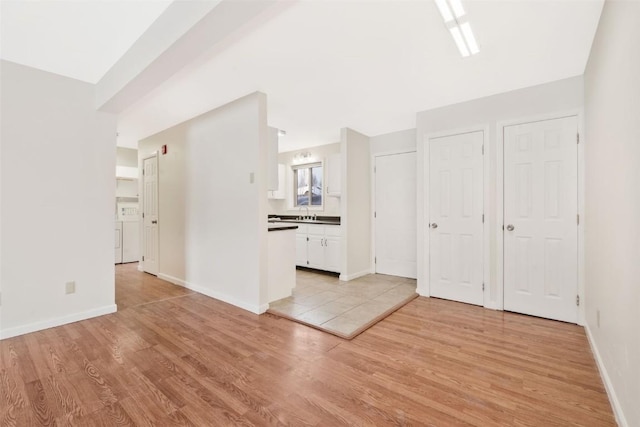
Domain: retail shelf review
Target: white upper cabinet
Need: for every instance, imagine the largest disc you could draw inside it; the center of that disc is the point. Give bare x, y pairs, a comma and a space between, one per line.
334, 174
272, 160
280, 192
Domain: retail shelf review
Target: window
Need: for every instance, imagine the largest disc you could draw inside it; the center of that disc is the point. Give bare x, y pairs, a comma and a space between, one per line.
307, 180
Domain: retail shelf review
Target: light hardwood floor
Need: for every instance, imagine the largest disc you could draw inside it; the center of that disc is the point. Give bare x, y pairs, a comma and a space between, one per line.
180, 358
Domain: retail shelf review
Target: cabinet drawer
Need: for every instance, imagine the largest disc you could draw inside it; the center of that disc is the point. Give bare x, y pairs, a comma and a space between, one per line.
315, 229
332, 230
302, 229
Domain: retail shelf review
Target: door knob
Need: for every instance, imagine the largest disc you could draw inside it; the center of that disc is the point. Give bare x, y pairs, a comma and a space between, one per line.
434, 225
154, 222
510, 227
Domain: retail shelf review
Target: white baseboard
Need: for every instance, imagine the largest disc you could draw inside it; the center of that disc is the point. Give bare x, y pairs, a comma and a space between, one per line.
608, 385
140, 268
422, 292
172, 279
346, 278
57, 321
256, 309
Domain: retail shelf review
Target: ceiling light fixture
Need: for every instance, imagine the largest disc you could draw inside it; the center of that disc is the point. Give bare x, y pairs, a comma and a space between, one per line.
457, 37
454, 17
458, 10
445, 11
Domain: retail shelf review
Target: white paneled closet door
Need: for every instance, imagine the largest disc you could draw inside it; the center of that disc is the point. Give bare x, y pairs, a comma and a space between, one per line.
150, 212
456, 205
395, 215
540, 219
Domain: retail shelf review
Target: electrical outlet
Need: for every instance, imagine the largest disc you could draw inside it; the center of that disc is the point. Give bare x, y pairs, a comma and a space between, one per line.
598, 318
70, 288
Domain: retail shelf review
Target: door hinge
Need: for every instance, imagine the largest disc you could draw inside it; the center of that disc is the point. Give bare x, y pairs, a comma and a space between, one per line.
307, 262
375, 214
375, 260
578, 300
307, 239
578, 219
143, 257
143, 215
483, 218
483, 149
483, 286
577, 138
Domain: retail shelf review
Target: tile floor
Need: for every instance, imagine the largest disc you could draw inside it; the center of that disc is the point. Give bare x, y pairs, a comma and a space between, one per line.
344, 308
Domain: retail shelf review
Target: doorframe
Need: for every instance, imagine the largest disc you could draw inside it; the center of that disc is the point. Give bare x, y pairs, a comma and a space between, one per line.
500, 125
424, 272
142, 238
374, 156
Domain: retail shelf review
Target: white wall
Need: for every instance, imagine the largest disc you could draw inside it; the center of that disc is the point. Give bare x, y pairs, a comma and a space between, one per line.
212, 219
285, 207
404, 140
58, 163
127, 187
126, 157
356, 204
612, 156
559, 96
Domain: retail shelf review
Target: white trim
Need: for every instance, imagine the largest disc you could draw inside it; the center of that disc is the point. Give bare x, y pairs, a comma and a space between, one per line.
253, 308
57, 321
424, 285
500, 125
374, 156
608, 385
140, 266
346, 278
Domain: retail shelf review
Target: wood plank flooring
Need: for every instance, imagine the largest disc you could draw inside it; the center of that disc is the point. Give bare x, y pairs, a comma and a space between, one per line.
173, 357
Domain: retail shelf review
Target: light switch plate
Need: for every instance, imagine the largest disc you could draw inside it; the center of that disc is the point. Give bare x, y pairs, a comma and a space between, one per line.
70, 288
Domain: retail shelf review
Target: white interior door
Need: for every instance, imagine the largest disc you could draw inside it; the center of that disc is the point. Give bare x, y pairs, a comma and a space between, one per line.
456, 205
540, 218
395, 214
150, 215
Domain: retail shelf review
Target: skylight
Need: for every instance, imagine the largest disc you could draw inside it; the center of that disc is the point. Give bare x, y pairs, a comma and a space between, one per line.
455, 19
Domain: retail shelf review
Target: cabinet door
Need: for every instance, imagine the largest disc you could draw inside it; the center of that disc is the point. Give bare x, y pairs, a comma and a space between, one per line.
301, 249
334, 173
332, 252
315, 251
272, 160
282, 183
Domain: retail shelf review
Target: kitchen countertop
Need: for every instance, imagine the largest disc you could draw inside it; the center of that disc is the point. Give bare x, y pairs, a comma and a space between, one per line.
327, 220
280, 227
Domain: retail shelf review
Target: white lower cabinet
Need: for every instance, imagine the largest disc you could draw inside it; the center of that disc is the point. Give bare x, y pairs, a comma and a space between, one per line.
301, 247
318, 246
333, 248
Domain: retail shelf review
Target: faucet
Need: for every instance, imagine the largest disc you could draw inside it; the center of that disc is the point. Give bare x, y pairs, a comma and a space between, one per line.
307, 208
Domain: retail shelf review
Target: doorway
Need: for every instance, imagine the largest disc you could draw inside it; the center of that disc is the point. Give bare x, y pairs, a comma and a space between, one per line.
456, 217
395, 214
540, 237
150, 215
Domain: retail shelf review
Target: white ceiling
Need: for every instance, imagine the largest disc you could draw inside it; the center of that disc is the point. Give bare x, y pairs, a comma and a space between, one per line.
368, 65
75, 38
